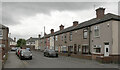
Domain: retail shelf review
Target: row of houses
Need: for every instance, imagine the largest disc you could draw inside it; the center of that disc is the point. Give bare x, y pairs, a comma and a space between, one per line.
99, 36
4, 43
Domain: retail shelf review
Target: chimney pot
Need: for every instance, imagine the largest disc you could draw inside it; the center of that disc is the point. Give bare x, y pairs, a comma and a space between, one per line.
100, 12
39, 36
61, 27
75, 23
52, 31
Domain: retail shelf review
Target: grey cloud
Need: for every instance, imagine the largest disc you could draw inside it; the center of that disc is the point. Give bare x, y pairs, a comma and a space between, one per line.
119, 7
11, 11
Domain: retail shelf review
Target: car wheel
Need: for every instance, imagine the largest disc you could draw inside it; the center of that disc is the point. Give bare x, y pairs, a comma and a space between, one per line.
48, 55
44, 54
56, 55
30, 58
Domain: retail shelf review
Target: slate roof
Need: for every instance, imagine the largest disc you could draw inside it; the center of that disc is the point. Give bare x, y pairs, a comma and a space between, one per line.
11, 40
32, 39
90, 22
2, 26
46, 36
94, 21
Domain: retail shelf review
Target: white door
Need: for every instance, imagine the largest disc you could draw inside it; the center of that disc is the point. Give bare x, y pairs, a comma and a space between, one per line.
106, 50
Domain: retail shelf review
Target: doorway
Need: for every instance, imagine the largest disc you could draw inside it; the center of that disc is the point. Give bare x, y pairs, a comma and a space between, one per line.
106, 49
75, 49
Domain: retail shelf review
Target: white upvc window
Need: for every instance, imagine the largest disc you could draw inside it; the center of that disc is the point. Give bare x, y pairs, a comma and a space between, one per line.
70, 36
97, 48
96, 31
62, 37
85, 33
56, 38
1, 33
65, 37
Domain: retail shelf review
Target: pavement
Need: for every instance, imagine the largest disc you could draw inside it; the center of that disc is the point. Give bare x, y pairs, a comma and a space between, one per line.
39, 61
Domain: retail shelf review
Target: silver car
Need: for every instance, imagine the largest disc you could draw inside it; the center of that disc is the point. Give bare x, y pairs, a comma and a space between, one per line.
24, 53
50, 52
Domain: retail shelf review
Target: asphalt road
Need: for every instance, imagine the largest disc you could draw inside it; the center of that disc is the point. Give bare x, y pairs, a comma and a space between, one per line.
39, 61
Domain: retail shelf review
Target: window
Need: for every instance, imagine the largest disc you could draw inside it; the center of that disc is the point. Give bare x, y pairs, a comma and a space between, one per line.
96, 30
41, 41
1, 34
62, 37
70, 36
65, 37
56, 48
98, 50
85, 34
64, 48
48, 39
56, 38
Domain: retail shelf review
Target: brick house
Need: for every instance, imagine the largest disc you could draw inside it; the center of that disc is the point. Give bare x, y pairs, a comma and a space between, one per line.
99, 36
4, 42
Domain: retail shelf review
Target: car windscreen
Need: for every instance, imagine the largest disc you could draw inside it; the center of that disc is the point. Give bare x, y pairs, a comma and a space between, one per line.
51, 50
25, 51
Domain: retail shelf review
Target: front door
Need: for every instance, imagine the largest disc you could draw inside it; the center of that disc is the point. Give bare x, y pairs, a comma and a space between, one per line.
106, 49
75, 49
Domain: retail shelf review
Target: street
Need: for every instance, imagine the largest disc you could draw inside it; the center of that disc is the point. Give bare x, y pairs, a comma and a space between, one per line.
39, 61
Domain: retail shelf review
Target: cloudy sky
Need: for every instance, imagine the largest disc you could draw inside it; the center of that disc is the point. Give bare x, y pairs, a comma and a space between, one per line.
27, 19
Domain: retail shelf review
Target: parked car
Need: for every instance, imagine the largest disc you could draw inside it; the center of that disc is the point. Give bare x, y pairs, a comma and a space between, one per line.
13, 49
50, 52
24, 53
28, 49
18, 49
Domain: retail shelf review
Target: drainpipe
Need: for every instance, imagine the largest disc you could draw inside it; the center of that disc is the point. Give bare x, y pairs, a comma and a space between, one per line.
54, 42
89, 38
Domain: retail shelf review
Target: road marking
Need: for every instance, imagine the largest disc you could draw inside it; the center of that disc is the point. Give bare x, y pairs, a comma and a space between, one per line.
25, 62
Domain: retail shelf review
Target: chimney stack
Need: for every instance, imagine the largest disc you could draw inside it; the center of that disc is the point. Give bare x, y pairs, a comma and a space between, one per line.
52, 31
100, 12
61, 27
75, 23
39, 36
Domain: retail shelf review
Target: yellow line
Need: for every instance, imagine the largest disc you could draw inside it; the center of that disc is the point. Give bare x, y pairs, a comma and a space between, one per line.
25, 62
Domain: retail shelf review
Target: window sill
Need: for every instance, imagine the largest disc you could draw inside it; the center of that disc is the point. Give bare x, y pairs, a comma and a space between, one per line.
96, 53
97, 36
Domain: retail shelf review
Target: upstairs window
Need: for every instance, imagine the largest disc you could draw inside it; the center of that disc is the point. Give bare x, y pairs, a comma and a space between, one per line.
70, 36
1, 32
85, 33
65, 37
62, 37
48, 39
56, 38
96, 31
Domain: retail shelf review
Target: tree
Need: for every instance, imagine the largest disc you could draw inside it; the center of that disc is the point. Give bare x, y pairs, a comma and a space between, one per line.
21, 42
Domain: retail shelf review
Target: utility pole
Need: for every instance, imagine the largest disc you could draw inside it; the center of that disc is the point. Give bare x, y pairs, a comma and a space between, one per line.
44, 37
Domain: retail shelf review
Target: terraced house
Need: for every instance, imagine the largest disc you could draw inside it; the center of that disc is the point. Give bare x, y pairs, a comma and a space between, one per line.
4, 41
98, 36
